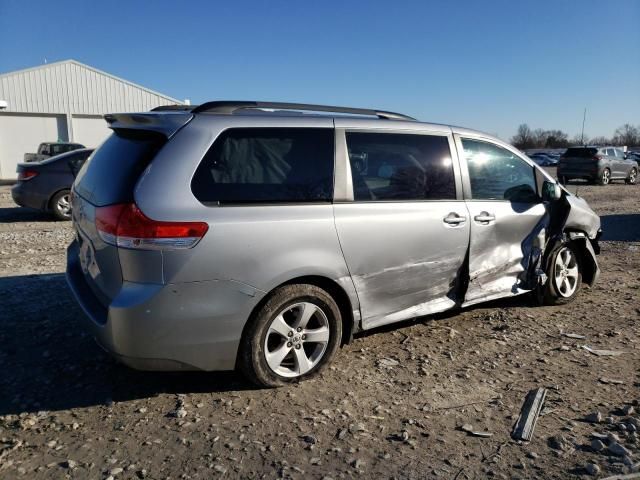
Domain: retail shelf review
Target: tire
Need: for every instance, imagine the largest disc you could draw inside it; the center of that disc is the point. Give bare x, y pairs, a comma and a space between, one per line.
555, 291
60, 205
272, 348
633, 176
605, 177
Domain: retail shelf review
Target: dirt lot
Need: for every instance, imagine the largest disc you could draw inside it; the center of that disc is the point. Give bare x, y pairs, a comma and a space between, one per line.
68, 410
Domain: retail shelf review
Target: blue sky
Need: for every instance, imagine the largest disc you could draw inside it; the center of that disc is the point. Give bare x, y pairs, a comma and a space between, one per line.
489, 65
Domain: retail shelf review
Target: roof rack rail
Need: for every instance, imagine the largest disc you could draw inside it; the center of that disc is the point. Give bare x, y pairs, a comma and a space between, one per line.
230, 107
169, 108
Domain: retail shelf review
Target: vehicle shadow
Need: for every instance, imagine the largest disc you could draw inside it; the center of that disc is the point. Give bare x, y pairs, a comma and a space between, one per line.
621, 227
48, 362
22, 214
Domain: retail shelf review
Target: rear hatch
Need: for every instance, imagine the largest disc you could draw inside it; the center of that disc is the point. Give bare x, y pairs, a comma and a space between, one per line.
108, 178
579, 158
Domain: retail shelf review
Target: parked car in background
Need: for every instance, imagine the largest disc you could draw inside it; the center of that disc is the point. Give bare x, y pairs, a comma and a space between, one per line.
596, 164
635, 156
542, 159
51, 149
46, 185
250, 235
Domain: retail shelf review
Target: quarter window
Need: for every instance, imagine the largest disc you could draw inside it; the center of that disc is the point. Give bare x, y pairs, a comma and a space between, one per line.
397, 166
269, 165
497, 174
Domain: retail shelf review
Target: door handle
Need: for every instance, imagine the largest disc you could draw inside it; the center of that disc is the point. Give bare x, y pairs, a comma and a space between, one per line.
484, 217
454, 219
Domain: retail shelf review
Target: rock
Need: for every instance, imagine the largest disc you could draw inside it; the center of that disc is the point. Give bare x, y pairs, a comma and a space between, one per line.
141, 473
69, 464
387, 363
628, 410
357, 463
220, 468
595, 417
592, 469
597, 445
310, 439
142, 410
559, 442
532, 455
115, 471
613, 438
179, 413
618, 450
341, 433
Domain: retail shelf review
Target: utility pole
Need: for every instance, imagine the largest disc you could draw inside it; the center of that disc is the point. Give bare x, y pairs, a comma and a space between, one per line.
583, 119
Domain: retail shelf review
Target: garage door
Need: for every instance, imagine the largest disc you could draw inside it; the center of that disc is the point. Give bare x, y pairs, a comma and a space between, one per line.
20, 134
90, 131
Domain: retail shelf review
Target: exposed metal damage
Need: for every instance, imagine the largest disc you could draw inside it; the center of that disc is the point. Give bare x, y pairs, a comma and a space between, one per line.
512, 268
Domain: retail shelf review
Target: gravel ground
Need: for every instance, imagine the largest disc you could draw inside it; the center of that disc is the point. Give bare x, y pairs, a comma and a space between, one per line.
391, 405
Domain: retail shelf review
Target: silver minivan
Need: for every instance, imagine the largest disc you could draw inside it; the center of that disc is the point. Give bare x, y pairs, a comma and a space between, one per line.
263, 236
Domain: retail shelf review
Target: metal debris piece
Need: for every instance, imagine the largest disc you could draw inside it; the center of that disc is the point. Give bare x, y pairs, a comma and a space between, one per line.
469, 429
628, 476
610, 380
603, 353
526, 423
573, 335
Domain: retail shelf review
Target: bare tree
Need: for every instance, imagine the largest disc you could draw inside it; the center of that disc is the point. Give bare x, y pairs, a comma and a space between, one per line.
523, 139
626, 135
600, 141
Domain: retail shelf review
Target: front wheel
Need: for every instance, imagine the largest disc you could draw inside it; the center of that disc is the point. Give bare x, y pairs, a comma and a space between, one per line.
633, 177
292, 337
605, 177
61, 205
564, 276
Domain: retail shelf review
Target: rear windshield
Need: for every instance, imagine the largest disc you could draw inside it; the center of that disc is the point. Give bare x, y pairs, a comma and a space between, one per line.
112, 172
580, 152
267, 165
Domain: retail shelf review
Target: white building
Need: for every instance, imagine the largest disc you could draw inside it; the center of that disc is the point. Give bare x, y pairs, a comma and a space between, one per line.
62, 101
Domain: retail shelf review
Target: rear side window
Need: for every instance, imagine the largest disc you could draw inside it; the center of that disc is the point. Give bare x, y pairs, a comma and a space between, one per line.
580, 152
267, 165
398, 166
111, 174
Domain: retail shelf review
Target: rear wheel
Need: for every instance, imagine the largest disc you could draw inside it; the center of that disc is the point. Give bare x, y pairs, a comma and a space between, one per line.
564, 276
605, 177
61, 205
633, 177
293, 336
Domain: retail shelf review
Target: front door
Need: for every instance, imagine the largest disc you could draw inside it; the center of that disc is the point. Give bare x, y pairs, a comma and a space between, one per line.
403, 228
506, 216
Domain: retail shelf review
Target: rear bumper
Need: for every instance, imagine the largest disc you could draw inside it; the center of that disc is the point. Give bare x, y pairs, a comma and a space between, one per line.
586, 173
24, 196
186, 326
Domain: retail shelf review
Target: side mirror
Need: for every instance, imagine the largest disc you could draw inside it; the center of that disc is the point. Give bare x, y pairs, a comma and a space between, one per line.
551, 191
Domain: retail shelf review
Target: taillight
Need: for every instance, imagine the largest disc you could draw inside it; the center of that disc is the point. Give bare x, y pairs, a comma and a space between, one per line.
126, 226
597, 157
26, 175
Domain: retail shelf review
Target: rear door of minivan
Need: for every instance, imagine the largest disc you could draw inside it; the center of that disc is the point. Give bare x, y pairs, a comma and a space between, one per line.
401, 220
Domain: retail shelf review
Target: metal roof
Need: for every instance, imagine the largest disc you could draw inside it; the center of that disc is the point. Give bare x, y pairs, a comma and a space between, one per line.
73, 87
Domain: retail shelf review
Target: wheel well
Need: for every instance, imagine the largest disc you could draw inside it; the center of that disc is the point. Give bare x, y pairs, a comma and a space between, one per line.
50, 201
333, 289
584, 257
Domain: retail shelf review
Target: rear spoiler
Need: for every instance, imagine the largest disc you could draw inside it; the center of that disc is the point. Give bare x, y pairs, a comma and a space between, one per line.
166, 123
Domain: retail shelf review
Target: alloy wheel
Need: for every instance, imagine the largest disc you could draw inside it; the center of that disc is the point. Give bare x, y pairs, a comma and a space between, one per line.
63, 205
297, 339
606, 177
566, 272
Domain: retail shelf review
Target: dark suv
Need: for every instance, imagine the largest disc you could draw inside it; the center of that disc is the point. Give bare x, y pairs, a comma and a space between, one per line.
596, 164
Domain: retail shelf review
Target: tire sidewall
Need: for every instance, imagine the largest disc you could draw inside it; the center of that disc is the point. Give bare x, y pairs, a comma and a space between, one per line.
635, 179
252, 360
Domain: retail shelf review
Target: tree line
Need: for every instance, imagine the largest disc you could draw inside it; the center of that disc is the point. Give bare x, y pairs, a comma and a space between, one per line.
525, 138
